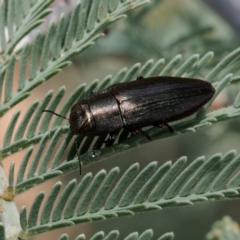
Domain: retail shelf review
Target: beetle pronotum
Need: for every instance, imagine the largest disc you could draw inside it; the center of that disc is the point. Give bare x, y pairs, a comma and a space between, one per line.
133, 105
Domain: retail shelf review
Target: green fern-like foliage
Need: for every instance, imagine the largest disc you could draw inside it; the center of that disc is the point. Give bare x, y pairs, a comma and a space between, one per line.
153, 188
106, 194
114, 235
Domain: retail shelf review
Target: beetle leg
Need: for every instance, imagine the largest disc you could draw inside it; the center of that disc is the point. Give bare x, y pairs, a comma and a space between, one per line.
112, 136
96, 146
169, 128
80, 164
146, 135
139, 77
111, 139
109, 142
140, 131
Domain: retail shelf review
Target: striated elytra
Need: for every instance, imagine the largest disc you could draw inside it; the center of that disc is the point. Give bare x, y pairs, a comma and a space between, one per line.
153, 101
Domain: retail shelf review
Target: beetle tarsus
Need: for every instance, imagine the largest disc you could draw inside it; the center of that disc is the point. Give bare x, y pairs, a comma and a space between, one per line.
93, 153
140, 131
169, 128
96, 146
146, 135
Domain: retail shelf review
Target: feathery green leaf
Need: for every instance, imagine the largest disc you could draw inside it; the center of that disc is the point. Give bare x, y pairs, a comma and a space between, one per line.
136, 191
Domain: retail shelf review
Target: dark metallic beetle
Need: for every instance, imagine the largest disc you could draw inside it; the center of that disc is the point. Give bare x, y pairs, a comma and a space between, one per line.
133, 105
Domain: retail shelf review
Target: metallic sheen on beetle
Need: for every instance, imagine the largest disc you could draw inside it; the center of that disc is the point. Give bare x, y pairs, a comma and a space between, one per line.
137, 104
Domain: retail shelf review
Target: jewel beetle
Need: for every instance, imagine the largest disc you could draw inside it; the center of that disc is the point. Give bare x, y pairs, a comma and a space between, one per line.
153, 101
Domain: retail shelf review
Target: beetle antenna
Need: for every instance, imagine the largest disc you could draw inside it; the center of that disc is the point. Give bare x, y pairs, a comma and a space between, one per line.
55, 114
80, 165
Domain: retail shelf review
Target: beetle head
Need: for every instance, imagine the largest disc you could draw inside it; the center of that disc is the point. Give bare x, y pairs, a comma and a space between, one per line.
81, 119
